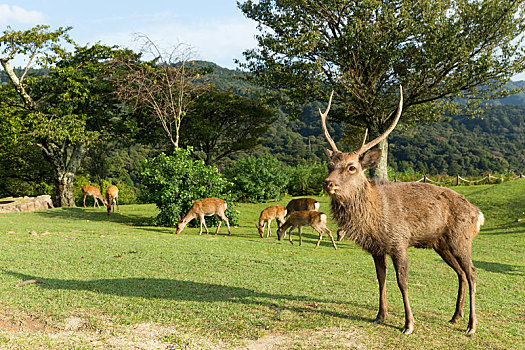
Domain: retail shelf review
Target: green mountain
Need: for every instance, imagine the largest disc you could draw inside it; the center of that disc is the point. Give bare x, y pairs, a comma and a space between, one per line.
493, 143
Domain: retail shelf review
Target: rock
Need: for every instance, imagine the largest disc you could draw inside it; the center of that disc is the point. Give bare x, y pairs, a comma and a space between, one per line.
25, 204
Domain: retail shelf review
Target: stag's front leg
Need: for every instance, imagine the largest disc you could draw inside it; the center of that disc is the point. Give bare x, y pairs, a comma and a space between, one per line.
400, 260
380, 263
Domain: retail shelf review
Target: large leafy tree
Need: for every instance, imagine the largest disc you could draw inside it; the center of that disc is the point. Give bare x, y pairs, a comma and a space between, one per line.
439, 51
221, 123
63, 111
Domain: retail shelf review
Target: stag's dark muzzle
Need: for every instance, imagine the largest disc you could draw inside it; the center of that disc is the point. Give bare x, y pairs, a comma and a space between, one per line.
328, 186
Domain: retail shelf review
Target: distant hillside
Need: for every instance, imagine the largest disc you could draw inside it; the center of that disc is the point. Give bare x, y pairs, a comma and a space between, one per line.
494, 143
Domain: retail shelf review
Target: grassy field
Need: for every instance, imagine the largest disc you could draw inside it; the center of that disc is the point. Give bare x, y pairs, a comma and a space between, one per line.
113, 283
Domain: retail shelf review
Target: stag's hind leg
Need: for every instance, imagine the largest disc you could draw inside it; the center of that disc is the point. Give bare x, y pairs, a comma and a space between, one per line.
462, 253
447, 256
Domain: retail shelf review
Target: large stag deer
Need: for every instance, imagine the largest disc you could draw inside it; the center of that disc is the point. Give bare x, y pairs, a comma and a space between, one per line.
202, 208
385, 218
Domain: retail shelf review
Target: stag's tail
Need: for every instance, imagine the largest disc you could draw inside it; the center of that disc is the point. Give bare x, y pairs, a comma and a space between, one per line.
481, 220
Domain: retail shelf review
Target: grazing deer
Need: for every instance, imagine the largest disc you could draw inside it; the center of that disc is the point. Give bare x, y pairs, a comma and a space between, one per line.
88, 190
385, 218
277, 212
315, 219
202, 208
112, 198
302, 204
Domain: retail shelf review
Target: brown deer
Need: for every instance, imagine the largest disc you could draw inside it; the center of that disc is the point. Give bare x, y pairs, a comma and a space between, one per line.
301, 204
298, 219
277, 212
112, 198
88, 190
202, 208
385, 218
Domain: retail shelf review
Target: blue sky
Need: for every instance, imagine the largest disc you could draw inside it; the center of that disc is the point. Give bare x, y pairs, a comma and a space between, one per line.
216, 30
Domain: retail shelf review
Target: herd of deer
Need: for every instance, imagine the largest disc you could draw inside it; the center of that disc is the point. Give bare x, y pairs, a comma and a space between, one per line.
109, 202
384, 218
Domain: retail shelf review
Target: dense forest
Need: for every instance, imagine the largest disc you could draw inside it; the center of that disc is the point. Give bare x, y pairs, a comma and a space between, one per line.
492, 142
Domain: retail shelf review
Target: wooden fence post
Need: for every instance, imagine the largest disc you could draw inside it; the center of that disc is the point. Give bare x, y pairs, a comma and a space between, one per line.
425, 179
457, 180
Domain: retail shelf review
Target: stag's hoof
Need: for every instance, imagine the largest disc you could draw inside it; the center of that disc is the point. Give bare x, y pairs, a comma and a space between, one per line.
407, 330
377, 320
470, 331
454, 320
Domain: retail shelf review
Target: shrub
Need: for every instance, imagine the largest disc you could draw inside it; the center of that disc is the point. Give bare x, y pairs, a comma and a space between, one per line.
174, 182
258, 179
306, 179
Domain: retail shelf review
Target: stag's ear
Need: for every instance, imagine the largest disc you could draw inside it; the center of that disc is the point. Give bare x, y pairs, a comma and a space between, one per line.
328, 152
370, 159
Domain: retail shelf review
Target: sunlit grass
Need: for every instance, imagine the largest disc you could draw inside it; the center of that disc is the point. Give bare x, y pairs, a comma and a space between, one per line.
113, 271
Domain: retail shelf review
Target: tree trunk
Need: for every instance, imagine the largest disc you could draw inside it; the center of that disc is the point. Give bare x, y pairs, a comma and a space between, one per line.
65, 196
65, 160
381, 170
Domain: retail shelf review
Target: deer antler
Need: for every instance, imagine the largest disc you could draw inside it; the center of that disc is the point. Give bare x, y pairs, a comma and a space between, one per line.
323, 123
365, 147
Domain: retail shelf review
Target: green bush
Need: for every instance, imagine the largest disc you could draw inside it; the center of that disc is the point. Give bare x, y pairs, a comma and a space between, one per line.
259, 179
306, 179
175, 182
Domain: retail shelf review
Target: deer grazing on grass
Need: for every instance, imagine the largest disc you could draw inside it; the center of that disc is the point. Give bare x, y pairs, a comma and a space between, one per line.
112, 198
385, 218
88, 190
277, 212
202, 208
298, 219
301, 204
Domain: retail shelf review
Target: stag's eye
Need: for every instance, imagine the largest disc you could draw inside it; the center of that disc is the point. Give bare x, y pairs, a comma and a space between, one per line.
351, 168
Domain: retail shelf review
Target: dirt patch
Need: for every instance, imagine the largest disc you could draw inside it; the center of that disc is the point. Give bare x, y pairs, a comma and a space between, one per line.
15, 321
19, 330
331, 338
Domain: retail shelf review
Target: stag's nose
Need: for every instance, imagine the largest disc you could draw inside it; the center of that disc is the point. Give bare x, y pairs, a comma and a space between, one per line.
328, 185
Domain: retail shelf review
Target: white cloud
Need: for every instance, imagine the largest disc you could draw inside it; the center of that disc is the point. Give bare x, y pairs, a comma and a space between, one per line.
11, 14
219, 41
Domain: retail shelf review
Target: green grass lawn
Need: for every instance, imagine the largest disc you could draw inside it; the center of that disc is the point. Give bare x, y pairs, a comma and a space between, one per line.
112, 282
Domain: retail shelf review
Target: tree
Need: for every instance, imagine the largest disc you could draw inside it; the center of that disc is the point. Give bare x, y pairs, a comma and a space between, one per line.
221, 123
63, 111
438, 51
163, 86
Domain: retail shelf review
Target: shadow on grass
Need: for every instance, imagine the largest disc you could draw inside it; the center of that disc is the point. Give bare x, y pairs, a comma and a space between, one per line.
83, 214
504, 229
506, 269
154, 288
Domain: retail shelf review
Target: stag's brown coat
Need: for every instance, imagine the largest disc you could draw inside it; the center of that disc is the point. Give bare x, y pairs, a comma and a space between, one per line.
386, 218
